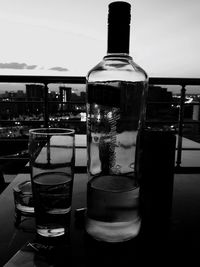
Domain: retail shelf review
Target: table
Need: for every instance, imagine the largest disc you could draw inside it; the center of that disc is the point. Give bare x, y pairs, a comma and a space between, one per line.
12, 239
179, 243
162, 239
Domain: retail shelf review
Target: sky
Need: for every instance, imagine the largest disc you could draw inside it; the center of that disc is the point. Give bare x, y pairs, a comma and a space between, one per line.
69, 37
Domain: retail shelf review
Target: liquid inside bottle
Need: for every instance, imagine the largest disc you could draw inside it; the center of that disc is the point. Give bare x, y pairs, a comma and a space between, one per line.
112, 213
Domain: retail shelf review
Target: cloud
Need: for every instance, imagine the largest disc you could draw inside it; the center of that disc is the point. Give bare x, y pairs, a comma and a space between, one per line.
16, 65
24, 66
58, 69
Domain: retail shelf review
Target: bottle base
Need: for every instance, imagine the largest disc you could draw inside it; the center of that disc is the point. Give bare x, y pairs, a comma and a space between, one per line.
113, 231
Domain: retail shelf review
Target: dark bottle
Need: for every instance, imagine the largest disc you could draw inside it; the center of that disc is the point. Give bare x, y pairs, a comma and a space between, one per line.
116, 92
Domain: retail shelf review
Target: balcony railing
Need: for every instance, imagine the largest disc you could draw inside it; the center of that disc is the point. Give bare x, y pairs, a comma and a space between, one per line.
183, 83
45, 121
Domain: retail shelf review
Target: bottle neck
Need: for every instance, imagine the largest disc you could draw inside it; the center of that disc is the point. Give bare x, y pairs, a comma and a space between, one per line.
118, 55
118, 38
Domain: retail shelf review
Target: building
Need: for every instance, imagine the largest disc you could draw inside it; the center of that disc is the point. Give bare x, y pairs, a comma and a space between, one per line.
35, 93
10, 110
65, 96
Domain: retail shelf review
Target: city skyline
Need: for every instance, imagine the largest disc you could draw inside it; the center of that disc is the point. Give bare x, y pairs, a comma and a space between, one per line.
63, 38
78, 88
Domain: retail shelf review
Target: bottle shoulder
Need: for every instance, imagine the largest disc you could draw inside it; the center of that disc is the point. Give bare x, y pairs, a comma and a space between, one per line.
117, 68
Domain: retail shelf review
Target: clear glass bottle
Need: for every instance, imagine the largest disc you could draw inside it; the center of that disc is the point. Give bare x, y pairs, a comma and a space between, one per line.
116, 93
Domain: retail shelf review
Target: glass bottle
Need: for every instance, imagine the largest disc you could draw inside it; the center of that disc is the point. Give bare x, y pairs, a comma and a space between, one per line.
116, 93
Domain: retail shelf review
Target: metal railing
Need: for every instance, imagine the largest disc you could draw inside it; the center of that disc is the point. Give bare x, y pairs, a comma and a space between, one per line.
46, 80
183, 83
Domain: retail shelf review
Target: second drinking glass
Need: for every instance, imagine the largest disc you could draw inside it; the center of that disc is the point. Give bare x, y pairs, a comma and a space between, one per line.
52, 173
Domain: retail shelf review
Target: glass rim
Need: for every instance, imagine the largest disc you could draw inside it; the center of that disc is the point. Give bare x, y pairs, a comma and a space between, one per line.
18, 188
52, 131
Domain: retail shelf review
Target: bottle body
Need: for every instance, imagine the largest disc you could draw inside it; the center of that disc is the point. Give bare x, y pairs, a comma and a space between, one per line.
116, 92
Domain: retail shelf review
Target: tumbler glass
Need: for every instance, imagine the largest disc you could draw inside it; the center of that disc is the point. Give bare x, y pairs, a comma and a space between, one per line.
52, 158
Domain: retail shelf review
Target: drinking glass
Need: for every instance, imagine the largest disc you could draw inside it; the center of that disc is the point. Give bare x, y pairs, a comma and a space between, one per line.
52, 157
23, 200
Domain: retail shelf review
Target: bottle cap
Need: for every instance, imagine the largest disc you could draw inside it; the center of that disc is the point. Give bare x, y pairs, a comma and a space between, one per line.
119, 12
119, 27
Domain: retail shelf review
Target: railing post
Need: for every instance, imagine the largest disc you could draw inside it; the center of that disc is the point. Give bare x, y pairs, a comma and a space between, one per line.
46, 106
180, 126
